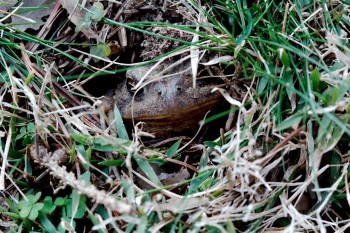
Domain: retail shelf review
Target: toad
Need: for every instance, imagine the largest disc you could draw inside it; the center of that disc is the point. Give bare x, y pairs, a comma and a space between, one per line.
168, 103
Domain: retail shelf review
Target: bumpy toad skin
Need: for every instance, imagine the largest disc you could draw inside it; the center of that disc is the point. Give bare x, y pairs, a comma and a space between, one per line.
169, 105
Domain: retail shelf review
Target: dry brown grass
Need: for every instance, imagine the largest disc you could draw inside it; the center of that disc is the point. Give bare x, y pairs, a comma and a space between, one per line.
282, 166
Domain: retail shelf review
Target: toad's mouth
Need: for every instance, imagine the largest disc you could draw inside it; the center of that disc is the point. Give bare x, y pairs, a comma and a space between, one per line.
175, 120
171, 114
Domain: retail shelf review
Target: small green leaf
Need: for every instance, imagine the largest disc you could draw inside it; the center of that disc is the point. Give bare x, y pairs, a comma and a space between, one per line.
335, 94
100, 51
327, 96
81, 149
31, 127
262, 85
11, 214
336, 132
230, 227
319, 96
82, 139
180, 230
75, 203
110, 148
148, 170
114, 141
86, 177
126, 185
23, 204
46, 223
102, 211
24, 213
117, 162
33, 214
38, 206
315, 79
29, 78
33, 199
97, 11
72, 153
289, 83
4, 77
2, 209
173, 149
284, 57
49, 207
119, 124
67, 224
206, 184
303, 83
111, 144
22, 133
88, 153
344, 87
13, 207
142, 225
204, 159
334, 170
289, 122
324, 129
130, 194
156, 160
345, 1
82, 208
60, 201
336, 201
95, 221
211, 144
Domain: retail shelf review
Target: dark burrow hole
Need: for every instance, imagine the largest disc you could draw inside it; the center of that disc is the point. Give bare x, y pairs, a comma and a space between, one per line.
99, 86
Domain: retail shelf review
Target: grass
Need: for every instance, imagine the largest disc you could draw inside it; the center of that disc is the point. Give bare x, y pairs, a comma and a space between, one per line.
282, 165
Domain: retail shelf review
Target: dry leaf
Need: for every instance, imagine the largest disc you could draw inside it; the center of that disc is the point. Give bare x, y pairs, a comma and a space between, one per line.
164, 177
173, 178
183, 204
227, 96
194, 50
32, 13
194, 58
77, 15
218, 60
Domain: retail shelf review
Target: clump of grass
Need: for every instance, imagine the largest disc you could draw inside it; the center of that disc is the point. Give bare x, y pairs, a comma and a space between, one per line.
282, 164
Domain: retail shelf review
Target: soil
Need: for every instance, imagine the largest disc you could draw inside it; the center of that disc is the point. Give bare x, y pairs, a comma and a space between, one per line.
143, 46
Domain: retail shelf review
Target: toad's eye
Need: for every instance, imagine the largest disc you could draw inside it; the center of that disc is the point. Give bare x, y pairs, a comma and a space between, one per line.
130, 85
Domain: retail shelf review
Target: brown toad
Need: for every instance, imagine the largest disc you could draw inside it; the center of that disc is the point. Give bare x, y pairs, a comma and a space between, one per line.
168, 104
